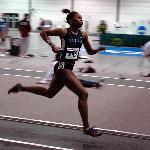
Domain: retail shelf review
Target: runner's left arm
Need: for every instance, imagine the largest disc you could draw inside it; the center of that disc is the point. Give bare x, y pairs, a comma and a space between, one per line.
88, 46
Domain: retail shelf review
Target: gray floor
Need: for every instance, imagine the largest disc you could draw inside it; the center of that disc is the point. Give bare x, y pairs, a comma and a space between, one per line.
121, 104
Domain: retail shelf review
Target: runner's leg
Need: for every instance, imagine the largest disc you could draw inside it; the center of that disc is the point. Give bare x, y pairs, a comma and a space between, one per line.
72, 82
55, 86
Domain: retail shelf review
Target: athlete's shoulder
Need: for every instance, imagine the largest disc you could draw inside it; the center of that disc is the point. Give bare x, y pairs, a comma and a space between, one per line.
63, 32
54, 32
60, 30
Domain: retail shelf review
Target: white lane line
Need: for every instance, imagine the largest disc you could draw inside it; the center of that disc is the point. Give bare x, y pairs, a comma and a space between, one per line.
85, 76
11, 118
28, 70
37, 77
95, 76
6, 68
2, 55
17, 75
18, 69
116, 78
26, 76
39, 71
121, 85
75, 127
138, 80
6, 74
106, 77
110, 84
128, 79
131, 86
33, 144
141, 87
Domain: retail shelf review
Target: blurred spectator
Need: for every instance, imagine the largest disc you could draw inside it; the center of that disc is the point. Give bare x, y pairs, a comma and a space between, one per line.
86, 26
146, 52
50, 73
45, 24
41, 22
102, 27
3, 30
24, 28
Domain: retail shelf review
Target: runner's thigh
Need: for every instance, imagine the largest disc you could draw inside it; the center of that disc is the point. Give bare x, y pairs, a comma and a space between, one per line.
56, 85
73, 83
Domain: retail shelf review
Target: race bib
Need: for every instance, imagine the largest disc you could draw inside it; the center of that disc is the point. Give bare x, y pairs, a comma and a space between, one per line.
72, 53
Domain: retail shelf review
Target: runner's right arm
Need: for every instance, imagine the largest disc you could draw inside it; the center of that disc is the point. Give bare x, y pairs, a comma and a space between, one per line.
47, 33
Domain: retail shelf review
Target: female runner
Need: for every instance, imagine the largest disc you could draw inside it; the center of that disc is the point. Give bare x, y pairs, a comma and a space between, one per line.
71, 42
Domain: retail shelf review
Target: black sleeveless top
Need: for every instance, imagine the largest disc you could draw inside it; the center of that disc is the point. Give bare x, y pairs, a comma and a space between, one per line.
69, 53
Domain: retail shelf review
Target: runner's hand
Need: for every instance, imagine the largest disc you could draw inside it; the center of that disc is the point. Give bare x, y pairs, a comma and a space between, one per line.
102, 48
55, 48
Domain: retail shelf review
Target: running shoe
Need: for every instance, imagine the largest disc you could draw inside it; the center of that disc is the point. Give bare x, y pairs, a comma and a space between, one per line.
15, 89
92, 131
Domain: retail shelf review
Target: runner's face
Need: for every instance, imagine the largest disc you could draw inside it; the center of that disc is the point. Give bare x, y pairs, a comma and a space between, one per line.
77, 20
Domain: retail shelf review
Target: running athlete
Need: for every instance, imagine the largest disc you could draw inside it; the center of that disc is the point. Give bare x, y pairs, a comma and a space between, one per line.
71, 42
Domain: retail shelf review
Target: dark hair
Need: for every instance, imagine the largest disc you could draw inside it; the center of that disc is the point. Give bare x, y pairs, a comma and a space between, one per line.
26, 15
70, 14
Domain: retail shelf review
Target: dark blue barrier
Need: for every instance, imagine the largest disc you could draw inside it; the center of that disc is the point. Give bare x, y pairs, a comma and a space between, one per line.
129, 40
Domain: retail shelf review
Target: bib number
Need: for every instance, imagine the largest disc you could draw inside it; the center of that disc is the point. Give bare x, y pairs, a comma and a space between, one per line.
72, 53
61, 65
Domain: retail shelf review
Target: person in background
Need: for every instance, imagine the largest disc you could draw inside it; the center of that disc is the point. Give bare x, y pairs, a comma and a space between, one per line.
50, 73
24, 29
86, 26
41, 23
3, 30
146, 56
102, 27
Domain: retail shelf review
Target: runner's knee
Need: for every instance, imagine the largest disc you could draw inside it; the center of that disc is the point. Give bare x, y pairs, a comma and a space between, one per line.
83, 95
50, 95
